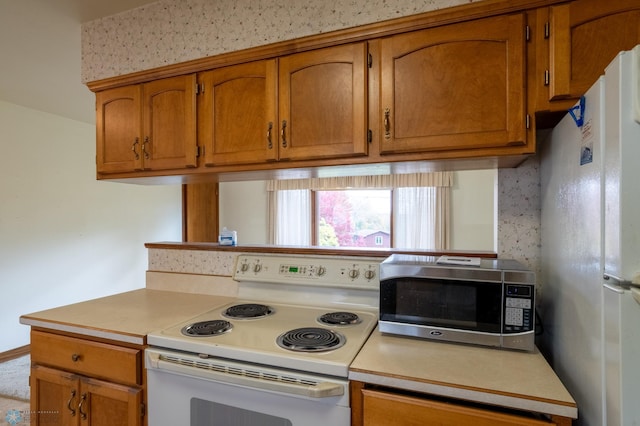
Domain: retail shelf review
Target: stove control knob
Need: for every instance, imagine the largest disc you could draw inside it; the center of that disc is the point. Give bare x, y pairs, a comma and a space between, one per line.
244, 267
321, 270
257, 268
354, 273
370, 274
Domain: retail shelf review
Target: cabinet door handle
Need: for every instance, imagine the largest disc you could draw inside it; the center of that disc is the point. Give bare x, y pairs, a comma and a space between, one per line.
387, 123
75, 357
71, 410
144, 147
133, 148
83, 398
284, 133
269, 142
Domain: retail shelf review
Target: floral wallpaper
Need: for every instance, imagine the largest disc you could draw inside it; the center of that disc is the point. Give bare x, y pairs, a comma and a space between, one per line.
173, 31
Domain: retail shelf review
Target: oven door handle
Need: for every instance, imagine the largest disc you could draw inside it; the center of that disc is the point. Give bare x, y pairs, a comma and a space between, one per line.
249, 377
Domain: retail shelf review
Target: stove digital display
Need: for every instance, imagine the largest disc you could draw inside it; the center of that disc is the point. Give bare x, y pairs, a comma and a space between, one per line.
293, 269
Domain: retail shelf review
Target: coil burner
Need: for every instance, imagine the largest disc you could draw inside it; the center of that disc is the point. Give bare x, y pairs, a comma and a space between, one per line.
339, 318
206, 328
247, 311
310, 339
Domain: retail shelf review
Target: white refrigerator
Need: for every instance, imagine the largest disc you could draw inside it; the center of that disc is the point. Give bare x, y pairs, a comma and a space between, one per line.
590, 248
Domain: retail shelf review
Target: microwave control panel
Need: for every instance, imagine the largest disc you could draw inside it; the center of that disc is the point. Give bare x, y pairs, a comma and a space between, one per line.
518, 308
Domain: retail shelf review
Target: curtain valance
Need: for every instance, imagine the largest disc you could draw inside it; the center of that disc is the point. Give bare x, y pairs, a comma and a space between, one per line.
433, 179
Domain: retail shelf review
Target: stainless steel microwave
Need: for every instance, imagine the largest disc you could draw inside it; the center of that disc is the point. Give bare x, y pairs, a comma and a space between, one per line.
488, 302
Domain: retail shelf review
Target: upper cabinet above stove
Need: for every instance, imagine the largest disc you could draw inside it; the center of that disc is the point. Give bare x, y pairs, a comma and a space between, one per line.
456, 88
149, 126
309, 105
576, 40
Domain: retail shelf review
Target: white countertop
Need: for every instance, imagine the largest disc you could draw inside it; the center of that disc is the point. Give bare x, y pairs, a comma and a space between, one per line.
126, 317
521, 380
514, 379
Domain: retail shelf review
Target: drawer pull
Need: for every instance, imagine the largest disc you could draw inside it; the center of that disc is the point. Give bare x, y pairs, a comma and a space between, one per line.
75, 357
83, 398
71, 410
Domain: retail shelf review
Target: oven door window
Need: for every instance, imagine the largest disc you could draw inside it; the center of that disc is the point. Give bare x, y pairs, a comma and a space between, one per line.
462, 305
208, 413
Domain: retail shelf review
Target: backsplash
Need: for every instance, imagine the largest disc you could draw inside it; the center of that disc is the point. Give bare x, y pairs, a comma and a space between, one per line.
201, 262
519, 214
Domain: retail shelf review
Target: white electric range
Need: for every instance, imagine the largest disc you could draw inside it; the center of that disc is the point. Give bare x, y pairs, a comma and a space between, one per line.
278, 355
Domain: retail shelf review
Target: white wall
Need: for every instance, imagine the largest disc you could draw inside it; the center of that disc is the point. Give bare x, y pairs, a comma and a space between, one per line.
473, 215
64, 236
243, 208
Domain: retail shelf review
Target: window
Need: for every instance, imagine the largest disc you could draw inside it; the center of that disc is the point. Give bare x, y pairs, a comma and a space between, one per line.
352, 218
402, 211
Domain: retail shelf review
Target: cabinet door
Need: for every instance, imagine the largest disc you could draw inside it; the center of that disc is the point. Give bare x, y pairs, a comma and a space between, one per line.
460, 86
237, 120
108, 404
382, 409
169, 123
118, 129
54, 397
584, 37
322, 103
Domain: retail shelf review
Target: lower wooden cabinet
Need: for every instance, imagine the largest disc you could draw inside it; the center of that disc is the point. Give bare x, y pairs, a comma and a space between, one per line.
77, 382
383, 407
62, 398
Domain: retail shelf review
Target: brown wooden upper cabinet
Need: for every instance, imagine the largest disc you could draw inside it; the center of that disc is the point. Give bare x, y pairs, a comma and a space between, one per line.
584, 36
150, 126
459, 86
309, 105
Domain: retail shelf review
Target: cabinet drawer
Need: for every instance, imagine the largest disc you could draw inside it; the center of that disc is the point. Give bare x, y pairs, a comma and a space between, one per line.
100, 360
384, 408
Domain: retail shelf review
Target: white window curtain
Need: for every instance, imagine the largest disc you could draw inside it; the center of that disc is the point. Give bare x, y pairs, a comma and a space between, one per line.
290, 217
420, 207
421, 218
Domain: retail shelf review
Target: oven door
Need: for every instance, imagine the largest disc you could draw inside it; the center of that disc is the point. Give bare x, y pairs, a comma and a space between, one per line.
442, 309
184, 389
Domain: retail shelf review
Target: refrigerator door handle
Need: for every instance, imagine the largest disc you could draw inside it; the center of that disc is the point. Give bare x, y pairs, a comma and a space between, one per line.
613, 288
635, 292
616, 283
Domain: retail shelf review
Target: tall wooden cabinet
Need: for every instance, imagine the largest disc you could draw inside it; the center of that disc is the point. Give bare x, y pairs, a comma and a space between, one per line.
459, 86
581, 39
309, 105
80, 382
150, 126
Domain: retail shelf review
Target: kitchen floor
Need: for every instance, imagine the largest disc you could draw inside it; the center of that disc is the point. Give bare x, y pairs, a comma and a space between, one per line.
14, 411
14, 392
